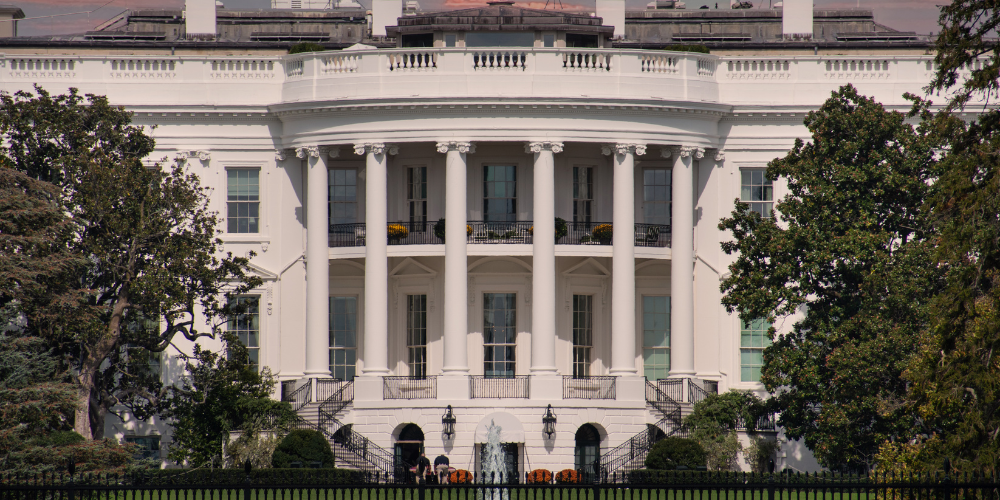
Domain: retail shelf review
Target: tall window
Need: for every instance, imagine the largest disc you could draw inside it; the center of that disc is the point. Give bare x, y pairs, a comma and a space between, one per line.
656, 195
416, 334
243, 194
583, 334
147, 447
656, 337
753, 340
246, 326
343, 337
343, 196
756, 190
499, 334
499, 193
416, 196
583, 193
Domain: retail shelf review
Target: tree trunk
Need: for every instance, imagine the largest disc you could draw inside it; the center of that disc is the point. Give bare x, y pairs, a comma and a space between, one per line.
93, 358
81, 422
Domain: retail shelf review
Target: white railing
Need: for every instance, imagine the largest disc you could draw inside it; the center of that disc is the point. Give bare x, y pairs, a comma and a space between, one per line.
142, 69
659, 63
338, 63
418, 60
587, 61
242, 69
857, 69
759, 69
33, 67
499, 60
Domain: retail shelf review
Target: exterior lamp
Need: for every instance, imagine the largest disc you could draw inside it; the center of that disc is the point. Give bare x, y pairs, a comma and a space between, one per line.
448, 423
549, 422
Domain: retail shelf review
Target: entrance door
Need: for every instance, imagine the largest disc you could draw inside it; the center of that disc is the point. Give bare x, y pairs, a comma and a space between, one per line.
408, 448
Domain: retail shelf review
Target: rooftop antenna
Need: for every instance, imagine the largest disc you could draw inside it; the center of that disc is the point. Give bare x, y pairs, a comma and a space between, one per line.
554, 2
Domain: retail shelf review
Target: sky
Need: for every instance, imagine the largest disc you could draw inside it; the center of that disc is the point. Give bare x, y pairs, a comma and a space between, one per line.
76, 16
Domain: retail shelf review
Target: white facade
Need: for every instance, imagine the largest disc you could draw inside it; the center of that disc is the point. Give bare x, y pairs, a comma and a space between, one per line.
370, 119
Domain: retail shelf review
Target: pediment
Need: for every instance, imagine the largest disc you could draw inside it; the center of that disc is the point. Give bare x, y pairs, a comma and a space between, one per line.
411, 267
588, 268
262, 272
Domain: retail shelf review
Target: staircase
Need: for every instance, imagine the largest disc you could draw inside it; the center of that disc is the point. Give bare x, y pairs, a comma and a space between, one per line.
351, 449
631, 455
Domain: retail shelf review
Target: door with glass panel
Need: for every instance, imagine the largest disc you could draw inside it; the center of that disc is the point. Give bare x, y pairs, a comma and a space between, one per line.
656, 195
583, 334
343, 207
656, 337
416, 335
500, 193
343, 337
416, 198
499, 334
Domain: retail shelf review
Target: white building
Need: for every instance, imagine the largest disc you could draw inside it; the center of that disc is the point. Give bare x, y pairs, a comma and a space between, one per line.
336, 167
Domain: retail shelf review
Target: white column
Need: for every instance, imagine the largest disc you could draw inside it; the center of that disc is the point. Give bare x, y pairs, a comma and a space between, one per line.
543, 275
682, 263
623, 331
317, 264
456, 287
376, 348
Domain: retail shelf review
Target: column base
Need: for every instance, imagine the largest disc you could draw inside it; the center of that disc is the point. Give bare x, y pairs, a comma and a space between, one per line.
453, 387
369, 388
546, 387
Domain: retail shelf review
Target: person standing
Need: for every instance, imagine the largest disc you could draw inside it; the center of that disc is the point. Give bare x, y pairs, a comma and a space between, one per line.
443, 468
423, 466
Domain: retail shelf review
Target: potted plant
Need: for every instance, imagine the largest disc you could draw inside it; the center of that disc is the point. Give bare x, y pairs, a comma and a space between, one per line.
396, 232
568, 476
602, 233
439, 229
540, 476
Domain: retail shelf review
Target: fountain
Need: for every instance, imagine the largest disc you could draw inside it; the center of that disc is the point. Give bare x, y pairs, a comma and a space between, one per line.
494, 464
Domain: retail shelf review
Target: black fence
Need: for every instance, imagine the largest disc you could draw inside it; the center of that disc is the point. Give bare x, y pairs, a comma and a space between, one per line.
515, 386
500, 232
292, 484
592, 387
409, 387
582, 233
412, 233
347, 235
652, 235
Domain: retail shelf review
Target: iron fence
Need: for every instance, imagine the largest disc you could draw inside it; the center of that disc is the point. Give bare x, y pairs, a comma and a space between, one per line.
412, 233
500, 232
347, 235
591, 387
300, 396
327, 387
512, 387
332, 484
672, 387
409, 387
652, 235
582, 233
695, 393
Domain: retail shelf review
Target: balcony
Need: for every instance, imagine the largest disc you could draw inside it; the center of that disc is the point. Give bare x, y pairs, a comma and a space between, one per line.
489, 387
596, 387
489, 232
409, 387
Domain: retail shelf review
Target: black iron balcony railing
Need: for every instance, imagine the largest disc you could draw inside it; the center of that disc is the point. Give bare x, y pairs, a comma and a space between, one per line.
512, 387
672, 387
327, 387
409, 387
347, 235
491, 232
591, 387
499, 232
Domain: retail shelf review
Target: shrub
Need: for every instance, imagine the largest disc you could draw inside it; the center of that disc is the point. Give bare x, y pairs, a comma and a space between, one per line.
257, 476
397, 231
759, 454
439, 229
302, 445
306, 47
568, 476
673, 452
461, 476
540, 476
687, 48
602, 232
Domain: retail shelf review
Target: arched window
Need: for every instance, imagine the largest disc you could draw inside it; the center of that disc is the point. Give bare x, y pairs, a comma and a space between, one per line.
588, 452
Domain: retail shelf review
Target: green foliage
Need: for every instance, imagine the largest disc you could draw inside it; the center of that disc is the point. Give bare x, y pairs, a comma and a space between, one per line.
258, 449
968, 32
561, 228
760, 453
306, 47
222, 393
852, 248
672, 452
237, 476
713, 423
133, 253
304, 446
701, 49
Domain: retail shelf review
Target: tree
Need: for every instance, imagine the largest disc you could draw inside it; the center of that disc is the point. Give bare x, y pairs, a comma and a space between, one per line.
151, 267
968, 32
849, 246
223, 393
713, 423
36, 408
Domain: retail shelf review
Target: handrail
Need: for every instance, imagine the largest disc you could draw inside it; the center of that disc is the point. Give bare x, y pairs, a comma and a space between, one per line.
301, 396
696, 394
631, 454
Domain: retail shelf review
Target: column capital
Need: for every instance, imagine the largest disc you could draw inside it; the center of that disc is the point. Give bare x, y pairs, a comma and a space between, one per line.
720, 155
279, 154
681, 152
538, 147
622, 148
330, 151
376, 148
698, 153
461, 147
307, 152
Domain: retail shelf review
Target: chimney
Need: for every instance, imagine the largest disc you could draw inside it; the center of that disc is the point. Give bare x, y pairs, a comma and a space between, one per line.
612, 13
797, 19
385, 13
199, 19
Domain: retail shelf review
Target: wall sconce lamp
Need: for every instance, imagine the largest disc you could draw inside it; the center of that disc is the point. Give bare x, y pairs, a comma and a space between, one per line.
549, 422
448, 423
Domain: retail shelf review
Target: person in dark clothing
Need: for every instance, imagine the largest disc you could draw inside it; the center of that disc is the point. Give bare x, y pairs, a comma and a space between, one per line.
423, 467
443, 468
